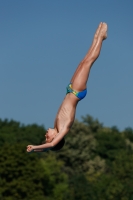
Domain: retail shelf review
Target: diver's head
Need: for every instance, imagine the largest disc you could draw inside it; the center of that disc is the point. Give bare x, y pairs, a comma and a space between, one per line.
50, 135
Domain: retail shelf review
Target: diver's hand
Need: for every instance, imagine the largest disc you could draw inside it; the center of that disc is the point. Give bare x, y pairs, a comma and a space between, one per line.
30, 148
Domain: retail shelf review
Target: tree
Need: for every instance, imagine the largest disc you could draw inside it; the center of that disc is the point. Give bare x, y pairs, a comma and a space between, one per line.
13, 132
21, 175
93, 124
27, 176
80, 188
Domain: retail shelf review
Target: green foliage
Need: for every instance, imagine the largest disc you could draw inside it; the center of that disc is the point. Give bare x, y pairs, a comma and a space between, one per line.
19, 171
129, 134
109, 144
55, 179
117, 183
95, 163
93, 124
78, 150
27, 175
13, 132
80, 188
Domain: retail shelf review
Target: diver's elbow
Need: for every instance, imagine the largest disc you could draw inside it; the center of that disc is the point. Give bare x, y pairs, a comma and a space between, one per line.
52, 144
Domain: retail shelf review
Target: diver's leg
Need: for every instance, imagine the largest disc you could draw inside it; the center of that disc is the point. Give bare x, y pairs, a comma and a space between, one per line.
80, 77
93, 43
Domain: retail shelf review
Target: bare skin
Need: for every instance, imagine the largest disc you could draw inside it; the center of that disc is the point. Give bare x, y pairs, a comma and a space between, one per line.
66, 113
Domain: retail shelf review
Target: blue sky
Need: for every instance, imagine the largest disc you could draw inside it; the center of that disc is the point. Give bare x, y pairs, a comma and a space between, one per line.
41, 44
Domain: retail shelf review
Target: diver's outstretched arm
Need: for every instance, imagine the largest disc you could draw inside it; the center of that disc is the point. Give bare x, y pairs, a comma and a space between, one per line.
47, 146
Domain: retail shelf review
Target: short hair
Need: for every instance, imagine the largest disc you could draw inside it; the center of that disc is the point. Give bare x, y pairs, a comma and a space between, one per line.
58, 146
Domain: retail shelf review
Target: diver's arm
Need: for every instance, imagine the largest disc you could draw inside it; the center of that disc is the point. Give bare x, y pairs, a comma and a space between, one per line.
39, 148
55, 141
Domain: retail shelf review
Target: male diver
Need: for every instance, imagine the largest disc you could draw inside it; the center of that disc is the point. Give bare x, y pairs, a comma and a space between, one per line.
76, 91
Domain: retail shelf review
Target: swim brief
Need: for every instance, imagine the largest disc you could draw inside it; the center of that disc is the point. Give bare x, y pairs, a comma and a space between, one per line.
80, 95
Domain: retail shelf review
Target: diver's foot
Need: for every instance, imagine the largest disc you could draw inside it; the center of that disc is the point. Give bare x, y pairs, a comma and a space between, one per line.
97, 31
96, 36
103, 31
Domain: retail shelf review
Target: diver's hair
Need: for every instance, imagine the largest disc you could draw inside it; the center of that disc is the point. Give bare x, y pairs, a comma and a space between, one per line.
59, 145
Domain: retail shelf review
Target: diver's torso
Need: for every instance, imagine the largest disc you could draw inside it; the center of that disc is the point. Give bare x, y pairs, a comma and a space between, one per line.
66, 113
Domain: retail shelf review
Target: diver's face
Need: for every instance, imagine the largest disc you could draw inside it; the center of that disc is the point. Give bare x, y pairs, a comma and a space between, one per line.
50, 134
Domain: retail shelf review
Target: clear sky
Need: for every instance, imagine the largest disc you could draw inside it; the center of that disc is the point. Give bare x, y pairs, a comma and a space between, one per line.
41, 44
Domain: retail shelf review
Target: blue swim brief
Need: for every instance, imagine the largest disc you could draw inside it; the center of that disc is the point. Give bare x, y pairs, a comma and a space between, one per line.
80, 95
